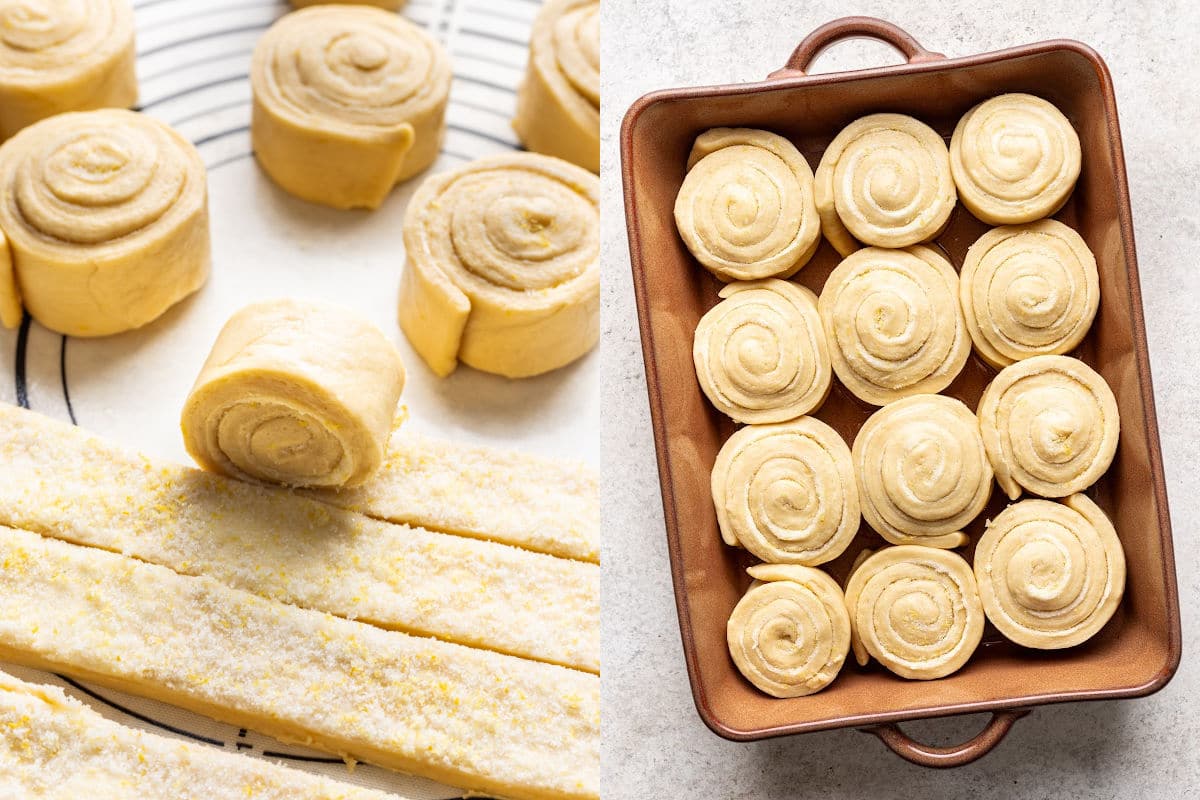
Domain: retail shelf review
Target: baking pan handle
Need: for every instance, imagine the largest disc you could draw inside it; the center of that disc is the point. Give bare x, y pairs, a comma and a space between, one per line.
956, 756
853, 28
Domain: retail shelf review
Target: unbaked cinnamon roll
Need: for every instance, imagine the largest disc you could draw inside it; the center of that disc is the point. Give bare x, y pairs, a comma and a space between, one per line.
106, 216
789, 635
893, 323
884, 181
915, 610
923, 471
348, 102
1050, 574
786, 492
1015, 159
746, 209
760, 353
1050, 425
1028, 290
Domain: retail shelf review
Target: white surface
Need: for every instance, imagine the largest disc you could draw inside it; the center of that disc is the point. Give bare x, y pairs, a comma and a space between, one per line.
654, 743
193, 61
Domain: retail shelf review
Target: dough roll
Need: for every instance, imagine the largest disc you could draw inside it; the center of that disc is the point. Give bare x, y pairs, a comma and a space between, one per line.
915, 610
503, 268
1029, 290
1050, 425
786, 492
1050, 574
64, 56
1015, 159
922, 470
488, 723
106, 215
893, 323
53, 746
558, 103
348, 102
296, 393
61, 482
885, 181
761, 353
541, 504
745, 209
789, 635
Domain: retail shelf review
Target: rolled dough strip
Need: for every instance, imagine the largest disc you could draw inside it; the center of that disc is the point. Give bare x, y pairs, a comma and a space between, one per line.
62, 482
55, 748
479, 720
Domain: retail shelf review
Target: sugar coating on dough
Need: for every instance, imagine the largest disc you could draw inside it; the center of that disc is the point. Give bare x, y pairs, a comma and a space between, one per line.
483, 721
58, 480
52, 746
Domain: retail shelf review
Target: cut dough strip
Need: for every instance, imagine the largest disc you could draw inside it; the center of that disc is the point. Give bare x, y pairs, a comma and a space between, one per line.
56, 748
541, 504
483, 721
59, 481
296, 393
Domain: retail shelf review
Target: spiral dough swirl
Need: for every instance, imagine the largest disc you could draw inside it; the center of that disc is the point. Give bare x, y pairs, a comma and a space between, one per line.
915, 610
1015, 159
1050, 574
923, 471
348, 101
107, 218
786, 492
894, 324
760, 353
1029, 290
789, 635
746, 209
64, 55
503, 266
884, 181
295, 393
1050, 425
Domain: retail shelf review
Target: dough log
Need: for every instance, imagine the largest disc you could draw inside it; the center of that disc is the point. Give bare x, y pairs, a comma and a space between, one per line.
348, 102
106, 216
558, 104
296, 393
503, 267
64, 56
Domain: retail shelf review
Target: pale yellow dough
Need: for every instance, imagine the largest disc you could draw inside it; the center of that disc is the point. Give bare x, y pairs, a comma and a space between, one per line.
915, 610
348, 102
789, 635
503, 269
1028, 290
894, 324
1050, 425
745, 209
489, 723
297, 393
58, 480
761, 353
53, 747
1015, 159
884, 181
64, 56
106, 215
1050, 574
786, 492
923, 473
558, 104
541, 504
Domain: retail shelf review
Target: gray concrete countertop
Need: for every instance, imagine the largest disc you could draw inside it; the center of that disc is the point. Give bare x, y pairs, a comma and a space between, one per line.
655, 745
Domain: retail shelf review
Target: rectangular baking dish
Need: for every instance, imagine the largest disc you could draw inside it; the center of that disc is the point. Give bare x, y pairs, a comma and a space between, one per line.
1139, 650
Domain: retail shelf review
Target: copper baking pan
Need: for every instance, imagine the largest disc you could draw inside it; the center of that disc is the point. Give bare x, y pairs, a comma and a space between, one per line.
1139, 650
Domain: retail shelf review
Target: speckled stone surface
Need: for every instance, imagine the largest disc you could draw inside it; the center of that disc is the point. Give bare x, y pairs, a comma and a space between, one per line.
654, 743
